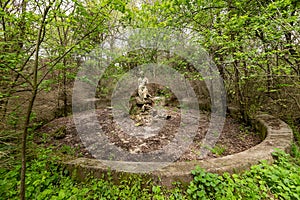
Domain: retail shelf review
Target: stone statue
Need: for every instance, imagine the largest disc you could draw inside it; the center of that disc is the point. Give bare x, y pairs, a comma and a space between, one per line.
143, 102
142, 88
142, 107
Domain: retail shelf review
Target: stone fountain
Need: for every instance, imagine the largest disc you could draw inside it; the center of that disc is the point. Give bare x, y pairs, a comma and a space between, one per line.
144, 106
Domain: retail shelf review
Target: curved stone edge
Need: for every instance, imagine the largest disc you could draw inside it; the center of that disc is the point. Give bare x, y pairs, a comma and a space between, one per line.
277, 134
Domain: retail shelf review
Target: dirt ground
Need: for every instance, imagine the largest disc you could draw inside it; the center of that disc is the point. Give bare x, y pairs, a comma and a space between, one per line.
61, 134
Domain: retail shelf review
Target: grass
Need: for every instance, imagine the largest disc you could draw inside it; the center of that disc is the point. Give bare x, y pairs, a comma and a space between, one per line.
218, 150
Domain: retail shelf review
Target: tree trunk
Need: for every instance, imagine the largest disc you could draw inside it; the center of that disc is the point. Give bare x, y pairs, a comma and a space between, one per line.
24, 139
65, 97
31, 102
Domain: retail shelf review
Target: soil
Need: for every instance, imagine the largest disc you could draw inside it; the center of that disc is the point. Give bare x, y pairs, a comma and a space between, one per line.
61, 133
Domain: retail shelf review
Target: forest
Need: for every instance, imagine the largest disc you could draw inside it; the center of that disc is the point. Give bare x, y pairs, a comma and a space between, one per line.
254, 45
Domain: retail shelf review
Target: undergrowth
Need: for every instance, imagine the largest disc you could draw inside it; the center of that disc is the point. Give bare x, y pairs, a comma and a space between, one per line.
47, 180
278, 181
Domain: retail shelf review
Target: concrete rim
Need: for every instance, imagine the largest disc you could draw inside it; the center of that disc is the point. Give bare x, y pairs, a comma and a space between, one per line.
277, 134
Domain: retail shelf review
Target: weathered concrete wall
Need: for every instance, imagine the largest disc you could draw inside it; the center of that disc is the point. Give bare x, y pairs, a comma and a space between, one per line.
277, 135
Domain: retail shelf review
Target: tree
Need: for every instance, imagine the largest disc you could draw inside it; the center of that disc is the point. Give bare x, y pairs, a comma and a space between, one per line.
77, 25
254, 45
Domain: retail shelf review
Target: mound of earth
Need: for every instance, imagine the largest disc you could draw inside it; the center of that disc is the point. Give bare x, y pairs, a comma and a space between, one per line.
62, 132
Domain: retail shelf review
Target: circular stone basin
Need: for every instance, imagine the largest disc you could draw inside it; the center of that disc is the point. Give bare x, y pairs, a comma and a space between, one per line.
276, 134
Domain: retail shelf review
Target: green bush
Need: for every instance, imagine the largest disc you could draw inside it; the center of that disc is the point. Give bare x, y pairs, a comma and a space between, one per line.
278, 181
46, 180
